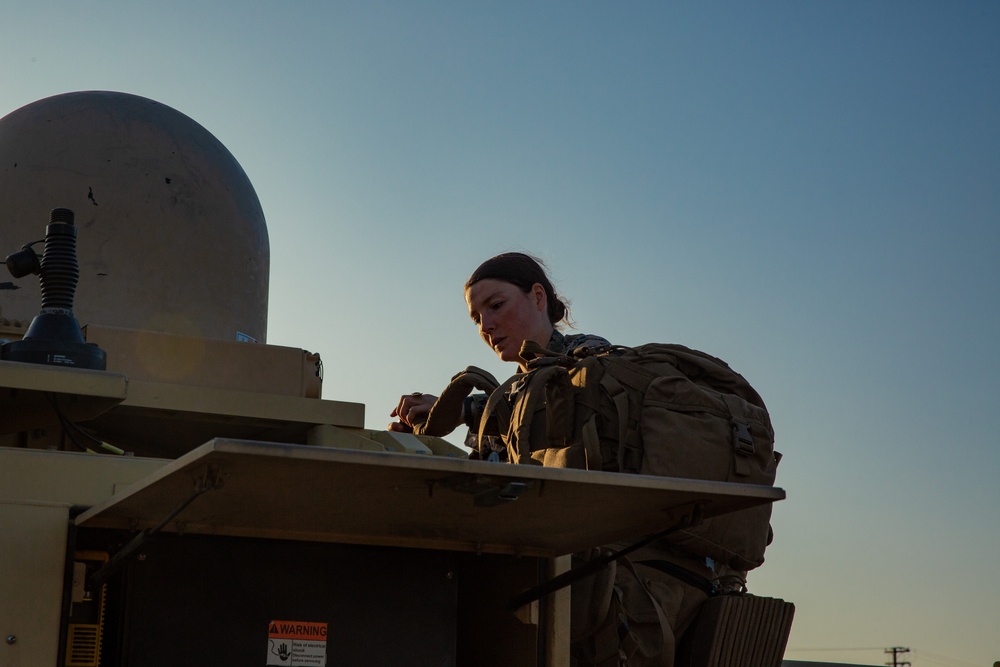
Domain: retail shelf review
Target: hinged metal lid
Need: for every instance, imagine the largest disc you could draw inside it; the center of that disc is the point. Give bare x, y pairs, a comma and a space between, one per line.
278, 491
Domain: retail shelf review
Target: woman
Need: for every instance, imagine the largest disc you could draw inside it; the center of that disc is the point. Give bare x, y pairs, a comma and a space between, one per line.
511, 300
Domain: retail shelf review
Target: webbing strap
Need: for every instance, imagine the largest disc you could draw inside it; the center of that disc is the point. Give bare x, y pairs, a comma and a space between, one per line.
592, 444
619, 396
620, 376
629, 373
497, 404
743, 445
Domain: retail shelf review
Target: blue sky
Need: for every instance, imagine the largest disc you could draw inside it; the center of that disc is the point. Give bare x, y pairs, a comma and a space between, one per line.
809, 190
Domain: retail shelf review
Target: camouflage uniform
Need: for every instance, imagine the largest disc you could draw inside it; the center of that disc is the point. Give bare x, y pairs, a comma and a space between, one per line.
493, 447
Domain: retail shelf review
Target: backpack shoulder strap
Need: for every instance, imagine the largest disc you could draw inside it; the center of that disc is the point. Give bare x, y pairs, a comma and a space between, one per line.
447, 410
496, 405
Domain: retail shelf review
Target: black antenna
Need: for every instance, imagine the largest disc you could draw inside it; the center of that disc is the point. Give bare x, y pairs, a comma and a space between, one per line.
54, 336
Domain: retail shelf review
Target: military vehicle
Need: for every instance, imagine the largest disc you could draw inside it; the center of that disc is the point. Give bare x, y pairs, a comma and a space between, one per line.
175, 491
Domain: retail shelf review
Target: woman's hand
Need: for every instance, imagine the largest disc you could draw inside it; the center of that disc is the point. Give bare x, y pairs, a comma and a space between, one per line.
411, 410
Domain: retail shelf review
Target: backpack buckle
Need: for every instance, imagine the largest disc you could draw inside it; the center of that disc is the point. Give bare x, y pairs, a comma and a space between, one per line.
743, 439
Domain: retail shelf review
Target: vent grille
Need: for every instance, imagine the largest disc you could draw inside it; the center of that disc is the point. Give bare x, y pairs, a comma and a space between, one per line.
84, 646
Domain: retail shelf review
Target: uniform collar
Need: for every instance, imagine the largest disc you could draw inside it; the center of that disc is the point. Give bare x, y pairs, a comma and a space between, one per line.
557, 342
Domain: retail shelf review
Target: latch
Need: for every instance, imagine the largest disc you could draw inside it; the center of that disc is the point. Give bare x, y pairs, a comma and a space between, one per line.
487, 491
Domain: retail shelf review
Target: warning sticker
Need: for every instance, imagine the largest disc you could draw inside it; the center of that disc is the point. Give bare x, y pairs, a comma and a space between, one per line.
294, 643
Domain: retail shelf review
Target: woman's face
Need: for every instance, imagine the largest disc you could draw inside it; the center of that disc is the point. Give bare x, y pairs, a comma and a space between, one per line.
507, 317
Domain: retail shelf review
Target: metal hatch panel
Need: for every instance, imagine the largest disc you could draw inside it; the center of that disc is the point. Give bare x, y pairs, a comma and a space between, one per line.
279, 491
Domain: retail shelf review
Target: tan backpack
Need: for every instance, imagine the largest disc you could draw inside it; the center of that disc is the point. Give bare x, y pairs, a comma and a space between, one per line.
656, 409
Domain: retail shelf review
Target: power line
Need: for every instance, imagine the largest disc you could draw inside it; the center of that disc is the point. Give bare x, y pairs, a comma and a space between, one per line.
942, 659
838, 648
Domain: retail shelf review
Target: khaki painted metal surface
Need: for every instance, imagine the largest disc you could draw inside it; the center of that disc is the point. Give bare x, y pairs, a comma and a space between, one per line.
68, 478
154, 356
294, 492
37, 491
31, 580
159, 419
167, 420
28, 391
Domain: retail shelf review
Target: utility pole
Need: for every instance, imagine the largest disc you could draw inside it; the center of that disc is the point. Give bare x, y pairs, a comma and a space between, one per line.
896, 651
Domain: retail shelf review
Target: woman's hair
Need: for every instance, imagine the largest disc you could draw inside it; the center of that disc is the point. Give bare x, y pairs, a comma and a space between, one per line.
523, 271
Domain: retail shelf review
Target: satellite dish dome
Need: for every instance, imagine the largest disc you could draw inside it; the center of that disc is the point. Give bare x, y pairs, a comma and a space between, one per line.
170, 233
